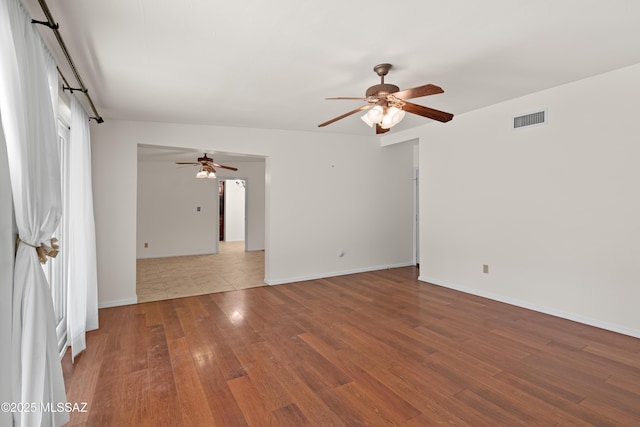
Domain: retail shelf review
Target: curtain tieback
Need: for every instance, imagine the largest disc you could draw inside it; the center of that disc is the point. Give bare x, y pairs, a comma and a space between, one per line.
43, 250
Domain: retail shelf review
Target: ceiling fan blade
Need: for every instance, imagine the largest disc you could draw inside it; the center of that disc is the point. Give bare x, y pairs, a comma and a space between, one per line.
430, 113
346, 97
419, 91
187, 163
224, 167
364, 107
380, 129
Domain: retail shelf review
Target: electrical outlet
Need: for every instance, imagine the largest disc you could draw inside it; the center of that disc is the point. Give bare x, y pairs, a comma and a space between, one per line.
485, 268
146, 245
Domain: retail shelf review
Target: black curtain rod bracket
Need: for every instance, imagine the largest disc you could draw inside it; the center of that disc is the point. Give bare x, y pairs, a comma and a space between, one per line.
97, 119
46, 24
79, 89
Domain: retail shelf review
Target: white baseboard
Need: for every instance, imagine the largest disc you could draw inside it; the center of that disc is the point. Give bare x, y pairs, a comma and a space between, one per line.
175, 255
117, 303
542, 309
335, 273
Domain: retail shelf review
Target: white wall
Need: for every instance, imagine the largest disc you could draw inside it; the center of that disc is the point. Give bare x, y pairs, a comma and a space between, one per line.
114, 159
234, 211
553, 210
167, 215
310, 213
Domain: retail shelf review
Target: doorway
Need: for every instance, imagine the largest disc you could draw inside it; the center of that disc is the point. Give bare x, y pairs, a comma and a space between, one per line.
232, 212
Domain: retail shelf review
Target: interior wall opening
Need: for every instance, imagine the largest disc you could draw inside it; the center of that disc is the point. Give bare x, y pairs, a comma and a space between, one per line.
185, 223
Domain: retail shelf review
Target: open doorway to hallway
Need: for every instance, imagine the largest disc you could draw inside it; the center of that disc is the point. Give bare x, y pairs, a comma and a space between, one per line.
232, 210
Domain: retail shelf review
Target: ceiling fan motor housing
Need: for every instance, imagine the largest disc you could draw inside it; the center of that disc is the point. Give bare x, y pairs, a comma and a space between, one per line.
382, 90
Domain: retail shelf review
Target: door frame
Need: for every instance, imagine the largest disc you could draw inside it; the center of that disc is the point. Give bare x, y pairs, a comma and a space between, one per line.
416, 216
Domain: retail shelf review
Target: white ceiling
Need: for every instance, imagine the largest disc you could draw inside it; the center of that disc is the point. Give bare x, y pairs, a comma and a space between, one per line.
271, 64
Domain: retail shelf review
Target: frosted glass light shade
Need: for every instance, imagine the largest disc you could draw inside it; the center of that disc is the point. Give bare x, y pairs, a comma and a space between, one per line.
212, 175
375, 114
397, 117
392, 117
365, 119
386, 122
202, 174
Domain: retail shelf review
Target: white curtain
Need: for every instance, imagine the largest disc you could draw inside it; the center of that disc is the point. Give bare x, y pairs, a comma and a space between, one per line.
80, 241
7, 259
29, 125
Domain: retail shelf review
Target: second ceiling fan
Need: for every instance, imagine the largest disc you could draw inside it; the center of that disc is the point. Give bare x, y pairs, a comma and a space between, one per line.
207, 166
387, 104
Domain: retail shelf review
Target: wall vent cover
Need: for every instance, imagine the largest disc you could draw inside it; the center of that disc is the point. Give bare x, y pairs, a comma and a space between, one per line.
537, 118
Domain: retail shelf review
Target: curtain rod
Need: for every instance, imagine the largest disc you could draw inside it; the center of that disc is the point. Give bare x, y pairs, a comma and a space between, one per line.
50, 22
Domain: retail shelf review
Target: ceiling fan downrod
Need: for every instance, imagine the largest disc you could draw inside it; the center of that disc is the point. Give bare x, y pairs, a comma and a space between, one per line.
382, 70
381, 90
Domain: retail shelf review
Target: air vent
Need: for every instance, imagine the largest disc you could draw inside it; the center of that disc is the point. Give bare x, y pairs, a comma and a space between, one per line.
537, 118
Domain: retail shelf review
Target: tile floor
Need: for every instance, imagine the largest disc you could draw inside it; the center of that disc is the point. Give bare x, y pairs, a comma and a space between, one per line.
176, 277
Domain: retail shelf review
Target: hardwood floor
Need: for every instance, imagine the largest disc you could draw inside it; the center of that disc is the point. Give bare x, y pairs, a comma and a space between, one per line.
370, 349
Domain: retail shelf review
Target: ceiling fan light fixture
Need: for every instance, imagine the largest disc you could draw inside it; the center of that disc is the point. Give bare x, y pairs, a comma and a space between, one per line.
211, 175
202, 173
385, 96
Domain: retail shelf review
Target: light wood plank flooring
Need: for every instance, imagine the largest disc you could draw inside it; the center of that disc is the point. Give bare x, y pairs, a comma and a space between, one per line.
176, 277
370, 349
